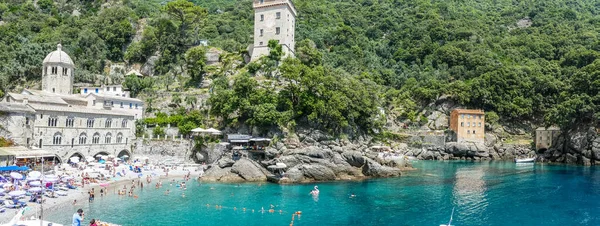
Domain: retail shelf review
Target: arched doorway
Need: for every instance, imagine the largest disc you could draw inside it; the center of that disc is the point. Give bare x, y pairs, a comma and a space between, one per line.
100, 153
124, 154
78, 155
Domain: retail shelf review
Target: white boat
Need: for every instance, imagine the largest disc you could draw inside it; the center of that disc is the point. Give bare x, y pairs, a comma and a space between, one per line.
525, 160
449, 222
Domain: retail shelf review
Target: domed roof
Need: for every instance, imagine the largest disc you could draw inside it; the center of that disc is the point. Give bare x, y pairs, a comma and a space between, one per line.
58, 56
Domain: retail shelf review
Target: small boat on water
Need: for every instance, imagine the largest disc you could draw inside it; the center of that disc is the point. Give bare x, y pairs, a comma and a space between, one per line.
525, 160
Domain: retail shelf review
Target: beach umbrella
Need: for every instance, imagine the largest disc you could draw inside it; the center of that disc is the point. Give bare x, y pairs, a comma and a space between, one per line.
74, 159
34, 174
35, 183
17, 193
7, 185
36, 189
16, 175
198, 130
1, 190
111, 156
90, 159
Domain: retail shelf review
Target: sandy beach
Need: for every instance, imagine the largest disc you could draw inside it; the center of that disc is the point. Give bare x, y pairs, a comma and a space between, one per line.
81, 193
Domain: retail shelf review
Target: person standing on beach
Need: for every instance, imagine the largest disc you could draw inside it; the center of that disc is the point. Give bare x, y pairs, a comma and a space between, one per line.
78, 217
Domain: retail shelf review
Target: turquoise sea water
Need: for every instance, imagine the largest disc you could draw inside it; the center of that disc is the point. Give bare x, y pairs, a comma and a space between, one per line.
489, 193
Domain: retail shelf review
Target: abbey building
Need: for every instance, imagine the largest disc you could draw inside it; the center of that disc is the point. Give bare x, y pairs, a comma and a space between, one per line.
100, 120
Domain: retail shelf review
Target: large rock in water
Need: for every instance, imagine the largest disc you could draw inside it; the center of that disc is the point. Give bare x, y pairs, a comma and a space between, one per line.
354, 158
247, 170
374, 169
215, 174
467, 149
318, 172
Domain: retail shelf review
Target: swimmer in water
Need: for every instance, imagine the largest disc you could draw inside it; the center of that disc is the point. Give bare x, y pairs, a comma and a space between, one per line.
167, 192
183, 195
315, 191
352, 195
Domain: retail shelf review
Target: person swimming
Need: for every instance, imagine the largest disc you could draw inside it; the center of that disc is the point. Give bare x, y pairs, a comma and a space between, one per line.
352, 195
315, 191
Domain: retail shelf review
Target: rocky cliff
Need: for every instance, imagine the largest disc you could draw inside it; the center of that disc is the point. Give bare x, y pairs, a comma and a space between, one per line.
579, 146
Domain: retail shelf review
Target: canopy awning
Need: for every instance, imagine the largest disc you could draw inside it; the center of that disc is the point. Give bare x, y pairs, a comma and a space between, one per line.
260, 139
239, 141
13, 168
23, 152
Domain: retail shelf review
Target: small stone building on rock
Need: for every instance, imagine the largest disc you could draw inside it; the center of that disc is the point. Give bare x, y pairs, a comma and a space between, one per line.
544, 137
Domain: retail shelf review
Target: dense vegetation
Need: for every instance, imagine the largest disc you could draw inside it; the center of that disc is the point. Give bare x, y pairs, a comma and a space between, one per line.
353, 56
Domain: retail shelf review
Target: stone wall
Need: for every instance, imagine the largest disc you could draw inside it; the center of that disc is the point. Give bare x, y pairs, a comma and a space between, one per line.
179, 150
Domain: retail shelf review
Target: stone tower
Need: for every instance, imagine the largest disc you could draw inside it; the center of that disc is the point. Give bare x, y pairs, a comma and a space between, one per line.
57, 72
273, 20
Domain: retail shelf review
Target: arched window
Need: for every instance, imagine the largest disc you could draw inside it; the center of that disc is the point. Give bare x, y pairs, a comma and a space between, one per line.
96, 138
90, 123
82, 138
70, 122
52, 121
124, 123
57, 138
119, 138
107, 138
108, 123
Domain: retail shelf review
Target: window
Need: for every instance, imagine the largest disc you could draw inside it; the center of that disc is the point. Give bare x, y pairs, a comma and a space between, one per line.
468, 116
65, 71
107, 88
136, 105
262, 1
462, 124
54, 70
96, 90
94, 102
112, 103
82, 138
260, 43
121, 104
479, 124
53, 90
96, 138
26, 120
462, 116
108, 123
131, 105
468, 131
119, 138
57, 138
262, 17
124, 123
70, 122
473, 131
52, 121
90, 123
480, 117
41, 116
115, 88
277, 15
277, 30
107, 138
468, 124
261, 32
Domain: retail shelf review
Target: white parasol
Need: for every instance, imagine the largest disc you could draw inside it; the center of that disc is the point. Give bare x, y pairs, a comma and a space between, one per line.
89, 158
213, 131
74, 159
17, 193
35, 183
7, 185
198, 130
34, 174
16, 175
35, 189
1, 190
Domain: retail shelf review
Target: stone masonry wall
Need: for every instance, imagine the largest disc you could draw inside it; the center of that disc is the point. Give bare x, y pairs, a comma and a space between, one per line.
179, 150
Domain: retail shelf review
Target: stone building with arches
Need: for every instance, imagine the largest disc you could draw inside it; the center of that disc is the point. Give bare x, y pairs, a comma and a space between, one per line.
55, 119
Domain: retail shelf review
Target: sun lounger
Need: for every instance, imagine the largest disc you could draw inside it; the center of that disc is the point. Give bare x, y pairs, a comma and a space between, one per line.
61, 193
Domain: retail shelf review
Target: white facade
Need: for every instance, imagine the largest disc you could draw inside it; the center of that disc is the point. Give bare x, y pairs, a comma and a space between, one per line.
273, 20
108, 90
66, 124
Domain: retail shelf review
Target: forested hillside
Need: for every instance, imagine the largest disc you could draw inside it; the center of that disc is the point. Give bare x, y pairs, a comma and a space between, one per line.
520, 60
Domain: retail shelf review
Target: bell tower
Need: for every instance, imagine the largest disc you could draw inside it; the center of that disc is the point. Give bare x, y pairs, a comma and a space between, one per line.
273, 20
57, 72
